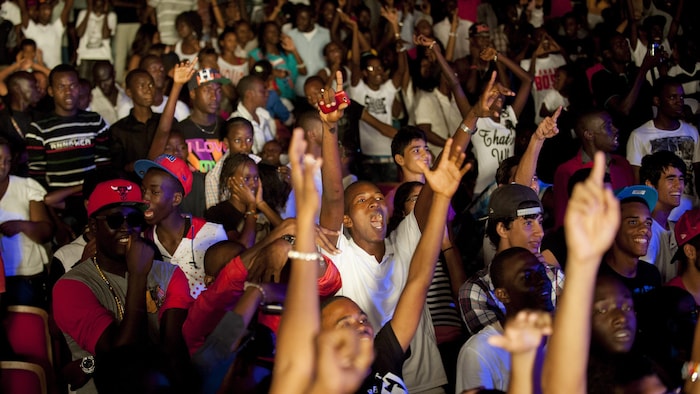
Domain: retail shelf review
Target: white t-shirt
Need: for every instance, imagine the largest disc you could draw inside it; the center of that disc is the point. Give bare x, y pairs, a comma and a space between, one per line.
232, 71
263, 131
20, 254
662, 247
189, 255
647, 139
10, 11
480, 364
440, 112
492, 143
688, 87
48, 38
442, 33
91, 45
545, 73
182, 111
110, 113
553, 99
378, 103
376, 288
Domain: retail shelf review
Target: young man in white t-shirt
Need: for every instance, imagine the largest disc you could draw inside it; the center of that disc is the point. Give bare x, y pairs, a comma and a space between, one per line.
48, 35
371, 88
667, 131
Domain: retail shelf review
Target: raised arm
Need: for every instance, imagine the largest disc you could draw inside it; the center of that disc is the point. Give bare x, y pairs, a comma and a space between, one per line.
294, 360
444, 181
182, 73
528, 163
333, 199
461, 139
67, 8
591, 222
24, 13
525, 78
522, 338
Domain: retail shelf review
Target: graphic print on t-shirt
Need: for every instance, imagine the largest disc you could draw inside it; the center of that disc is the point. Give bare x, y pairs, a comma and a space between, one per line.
204, 153
375, 105
683, 147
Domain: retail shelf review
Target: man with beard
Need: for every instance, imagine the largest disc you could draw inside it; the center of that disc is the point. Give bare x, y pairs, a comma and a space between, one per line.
132, 135
520, 282
631, 242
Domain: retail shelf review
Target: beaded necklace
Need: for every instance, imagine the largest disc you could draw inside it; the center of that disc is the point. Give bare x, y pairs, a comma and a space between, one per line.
120, 306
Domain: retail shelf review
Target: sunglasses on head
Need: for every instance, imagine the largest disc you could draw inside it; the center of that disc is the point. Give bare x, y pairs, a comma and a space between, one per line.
115, 220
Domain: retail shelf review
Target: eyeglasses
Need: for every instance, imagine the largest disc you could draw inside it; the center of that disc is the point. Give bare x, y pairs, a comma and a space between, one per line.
116, 220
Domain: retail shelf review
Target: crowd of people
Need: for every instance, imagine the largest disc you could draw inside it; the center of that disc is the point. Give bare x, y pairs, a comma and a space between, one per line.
340, 196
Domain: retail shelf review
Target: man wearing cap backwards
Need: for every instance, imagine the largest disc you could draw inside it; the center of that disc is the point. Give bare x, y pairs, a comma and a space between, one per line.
201, 129
687, 231
181, 239
515, 220
98, 306
632, 240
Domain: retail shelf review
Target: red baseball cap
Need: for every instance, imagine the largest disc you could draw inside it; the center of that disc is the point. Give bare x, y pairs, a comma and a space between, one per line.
172, 165
114, 193
687, 227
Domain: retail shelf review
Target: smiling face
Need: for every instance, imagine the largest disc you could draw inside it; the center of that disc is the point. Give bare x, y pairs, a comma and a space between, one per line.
614, 323
635, 229
670, 187
365, 213
65, 89
525, 232
344, 313
374, 74
162, 195
113, 242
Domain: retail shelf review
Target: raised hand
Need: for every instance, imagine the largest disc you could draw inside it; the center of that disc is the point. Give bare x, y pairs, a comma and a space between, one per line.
524, 332
592, 216
287, 43
444, 179
183, 71
548, 126
391, 14
328, 99
303, 169
344, 360
492, 91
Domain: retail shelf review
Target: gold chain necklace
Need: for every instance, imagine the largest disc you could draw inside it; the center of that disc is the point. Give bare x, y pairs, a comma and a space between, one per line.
120, 306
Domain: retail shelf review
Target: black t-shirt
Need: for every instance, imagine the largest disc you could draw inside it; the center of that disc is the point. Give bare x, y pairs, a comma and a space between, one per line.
647, 278
386, 375
203, 143
225, 214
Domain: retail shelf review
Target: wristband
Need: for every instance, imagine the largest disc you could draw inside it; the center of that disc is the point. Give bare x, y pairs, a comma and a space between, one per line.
247, 285
466, 129
432, 44
302, 65
452, 34
397, 36
314, 256
248, 213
